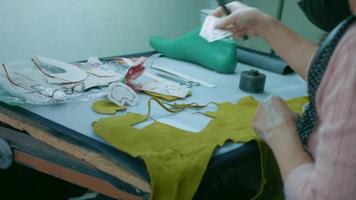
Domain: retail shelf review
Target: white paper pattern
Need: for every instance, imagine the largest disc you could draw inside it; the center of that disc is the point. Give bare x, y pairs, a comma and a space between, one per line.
71, 74
120, 94
165, 89
210, 33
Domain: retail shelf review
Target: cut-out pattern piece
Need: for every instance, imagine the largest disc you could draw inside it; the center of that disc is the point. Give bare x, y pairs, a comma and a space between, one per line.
165, 89
71, 73
210, 32
119, 93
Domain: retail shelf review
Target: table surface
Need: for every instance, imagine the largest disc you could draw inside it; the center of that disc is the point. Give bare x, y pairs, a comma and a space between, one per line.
78, 115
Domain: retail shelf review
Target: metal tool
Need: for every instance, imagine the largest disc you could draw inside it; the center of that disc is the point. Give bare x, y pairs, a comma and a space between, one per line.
181, 81
175, 77
171, 74
194, 81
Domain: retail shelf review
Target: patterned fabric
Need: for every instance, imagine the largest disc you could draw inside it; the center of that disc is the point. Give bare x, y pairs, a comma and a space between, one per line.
317, 69
332, 142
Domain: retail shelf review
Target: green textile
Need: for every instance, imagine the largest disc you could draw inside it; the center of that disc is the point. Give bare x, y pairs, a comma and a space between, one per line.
177, 159
219, 56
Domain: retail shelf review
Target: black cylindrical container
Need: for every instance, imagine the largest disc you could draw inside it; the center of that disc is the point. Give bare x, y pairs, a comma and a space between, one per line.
252, 81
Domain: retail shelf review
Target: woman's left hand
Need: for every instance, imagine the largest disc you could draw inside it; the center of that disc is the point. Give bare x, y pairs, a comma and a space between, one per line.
273, 119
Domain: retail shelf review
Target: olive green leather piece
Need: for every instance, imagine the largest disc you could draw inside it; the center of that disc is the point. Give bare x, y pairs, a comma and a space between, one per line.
177, 159
107, 107
219, 56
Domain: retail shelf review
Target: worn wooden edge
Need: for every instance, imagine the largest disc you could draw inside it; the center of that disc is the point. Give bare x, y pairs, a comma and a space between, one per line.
92, 157
82, 179
22, 142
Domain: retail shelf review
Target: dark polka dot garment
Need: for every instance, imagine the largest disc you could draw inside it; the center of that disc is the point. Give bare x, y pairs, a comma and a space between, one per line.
317, 69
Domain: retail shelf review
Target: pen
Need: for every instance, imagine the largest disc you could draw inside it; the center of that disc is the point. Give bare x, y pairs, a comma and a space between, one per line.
228, 12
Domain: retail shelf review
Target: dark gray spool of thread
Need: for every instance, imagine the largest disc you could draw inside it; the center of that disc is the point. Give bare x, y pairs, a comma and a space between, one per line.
252, 81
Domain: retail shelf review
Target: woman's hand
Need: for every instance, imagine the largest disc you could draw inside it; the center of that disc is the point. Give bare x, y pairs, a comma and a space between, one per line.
276, 124
244, 20
273, 119
248, 21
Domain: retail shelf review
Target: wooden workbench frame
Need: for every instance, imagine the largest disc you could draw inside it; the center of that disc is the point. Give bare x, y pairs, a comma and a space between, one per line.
98, 167
90, 156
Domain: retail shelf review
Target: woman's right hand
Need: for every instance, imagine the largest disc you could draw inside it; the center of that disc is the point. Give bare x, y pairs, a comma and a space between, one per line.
243, 21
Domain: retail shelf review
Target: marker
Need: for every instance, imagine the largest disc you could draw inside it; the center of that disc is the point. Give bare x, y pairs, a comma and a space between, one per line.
222, 4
